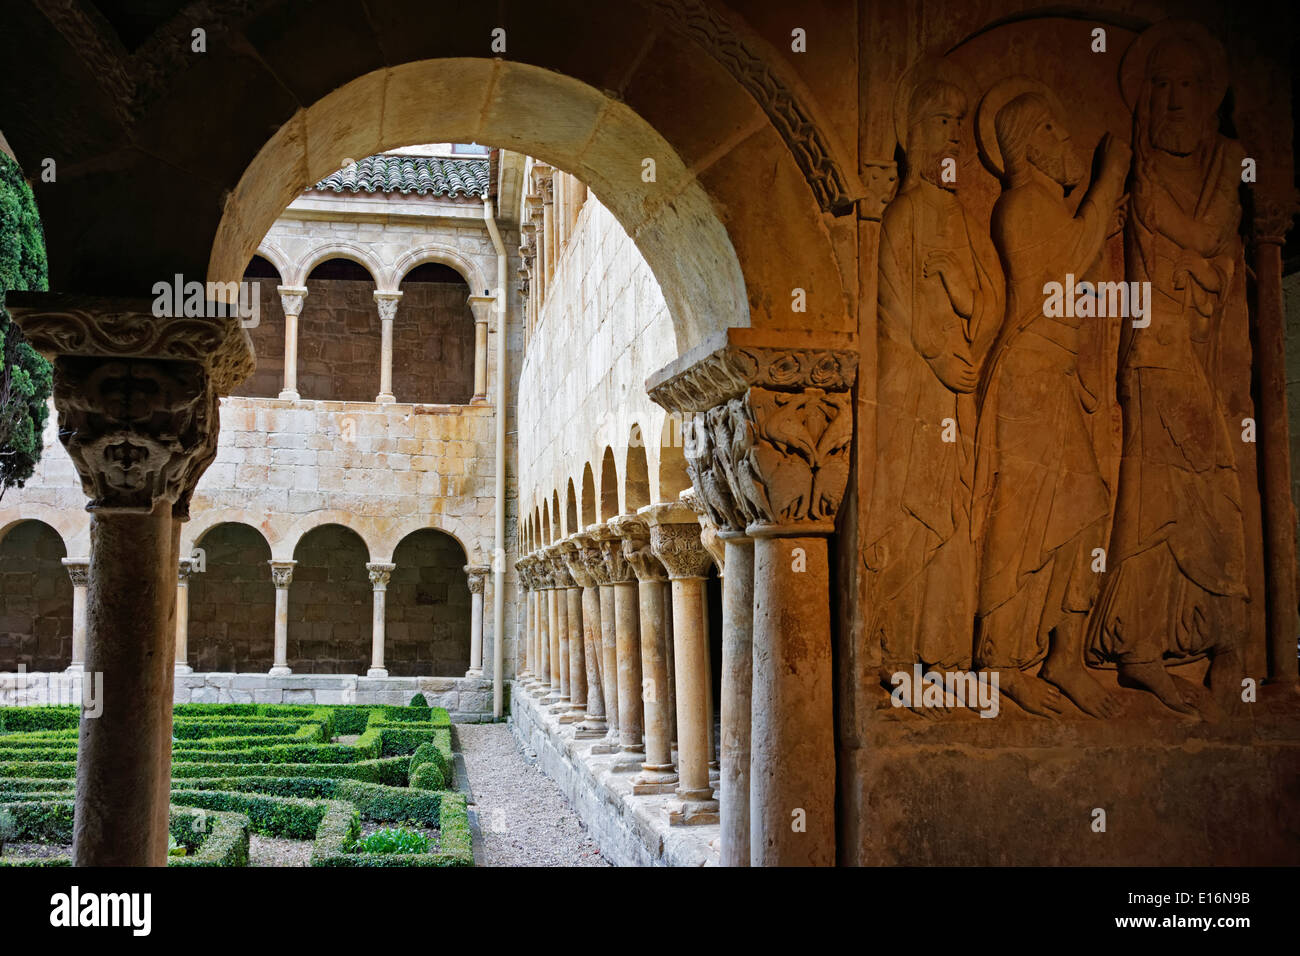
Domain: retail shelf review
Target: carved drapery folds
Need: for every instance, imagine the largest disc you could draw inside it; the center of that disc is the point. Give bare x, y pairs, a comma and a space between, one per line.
771, 427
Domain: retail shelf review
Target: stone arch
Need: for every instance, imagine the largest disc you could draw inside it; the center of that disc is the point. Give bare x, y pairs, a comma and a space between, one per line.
284, 548
673, 476
436, 252
636, 471
273, 254
389, 538
571, 512
330, 602
205, 519
35, 599
546, 524
338, 249
427, 619
72, 527
557, 529
608, 485
232, 602
588, 497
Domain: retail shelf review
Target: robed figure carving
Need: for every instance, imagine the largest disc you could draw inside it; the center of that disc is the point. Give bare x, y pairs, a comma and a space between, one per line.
1041, 503
1176, 587
939, 304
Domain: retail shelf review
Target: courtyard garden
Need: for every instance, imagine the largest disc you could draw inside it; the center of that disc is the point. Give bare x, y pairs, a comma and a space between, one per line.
258, 785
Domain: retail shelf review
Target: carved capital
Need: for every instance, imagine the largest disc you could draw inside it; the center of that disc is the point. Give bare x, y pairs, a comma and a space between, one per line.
78, 571
574, 549
636, 548
708, 529
610, 543
139, 431
379, 575
880, 180
675, 540
560, 576
476, 575
387, 302
282, 573
291, 298
1273, 217
183, 571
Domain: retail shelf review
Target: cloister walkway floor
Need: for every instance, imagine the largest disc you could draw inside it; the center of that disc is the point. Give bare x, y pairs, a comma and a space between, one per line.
524, 818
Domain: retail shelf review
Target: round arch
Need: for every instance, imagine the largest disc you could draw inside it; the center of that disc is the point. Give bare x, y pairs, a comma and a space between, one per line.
192, 531
283, 549
276, 256
451, 527
72, 527
359, 254
435, 252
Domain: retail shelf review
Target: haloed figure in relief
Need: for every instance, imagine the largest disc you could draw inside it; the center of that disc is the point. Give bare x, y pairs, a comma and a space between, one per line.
939, 305
1176, 588
1041, 503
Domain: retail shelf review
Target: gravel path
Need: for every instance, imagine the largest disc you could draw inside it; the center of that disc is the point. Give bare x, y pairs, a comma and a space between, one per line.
524, 818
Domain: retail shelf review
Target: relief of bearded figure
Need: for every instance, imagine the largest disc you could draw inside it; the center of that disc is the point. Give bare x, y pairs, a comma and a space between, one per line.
940, 302
1176, 590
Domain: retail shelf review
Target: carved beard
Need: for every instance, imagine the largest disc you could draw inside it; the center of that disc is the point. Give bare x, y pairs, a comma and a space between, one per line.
1176, 133
930, 168
1062, 166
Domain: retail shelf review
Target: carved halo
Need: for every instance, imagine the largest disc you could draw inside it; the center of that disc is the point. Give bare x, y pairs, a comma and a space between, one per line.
1132, 69
999, 95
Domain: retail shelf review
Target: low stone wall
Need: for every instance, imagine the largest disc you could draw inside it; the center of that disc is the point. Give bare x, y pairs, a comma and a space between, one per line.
467, 699
632, 830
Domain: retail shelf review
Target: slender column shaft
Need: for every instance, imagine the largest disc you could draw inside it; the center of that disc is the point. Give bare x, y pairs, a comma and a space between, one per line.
669, 662
124, 757
627, 618
544, 673
562, 628
379, 576
387, 313
291, 299
654, 683
78, 571
553, 633
577, 652
476, 576
792, 754
281, 578
737, 683
691, 657
609, 659
480, 360
183, 619
594, 724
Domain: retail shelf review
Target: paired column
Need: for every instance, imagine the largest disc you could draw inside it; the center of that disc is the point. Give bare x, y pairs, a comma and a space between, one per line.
627, 641
387, 302
291, 300
675, 540
79, 572
481, 307
592, 573
281, 577
657, 772
554, 600
379, 576
600, 535
542, 570
476, 574
524, 673
769, 453
186, 566
138, 416
571, 556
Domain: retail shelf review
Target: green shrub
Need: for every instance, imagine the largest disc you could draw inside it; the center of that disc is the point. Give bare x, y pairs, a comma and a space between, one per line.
419, 701
428, 769
393, 840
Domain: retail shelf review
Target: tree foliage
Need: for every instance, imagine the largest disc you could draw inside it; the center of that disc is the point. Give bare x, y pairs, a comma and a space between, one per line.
26, 378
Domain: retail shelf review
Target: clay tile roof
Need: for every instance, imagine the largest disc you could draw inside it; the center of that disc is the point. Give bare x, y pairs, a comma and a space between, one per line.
422, 175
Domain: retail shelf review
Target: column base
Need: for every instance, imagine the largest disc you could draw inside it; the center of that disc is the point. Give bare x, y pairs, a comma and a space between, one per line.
474, 672
591, 729
377, 672
605, 747
479, 400
180, 669
289, 395
76, 667
692, 812
279, 671
628, 761
385, 399
574, 715
655, 778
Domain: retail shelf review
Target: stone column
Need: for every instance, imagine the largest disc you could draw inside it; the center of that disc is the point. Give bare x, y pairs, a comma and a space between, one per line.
538, 285
563, 581
547, 189
379, 575
291, 301
657, 774
552, 629
79, 572
542, 570
1272, 220
600, 534
572, 557
675, 539
387, 312
773, 432
138, 414
481, 306
593, 568
627, 628
476, 574
525, 673
281, 577
185, 567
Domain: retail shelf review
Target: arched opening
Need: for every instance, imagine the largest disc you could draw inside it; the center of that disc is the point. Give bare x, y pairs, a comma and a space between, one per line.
35, 599
557, 529
571, 511
268, 335
339, 343
433, 337
232, 602
673, 476
330, 603
588, 497
546, 523
608, 486
637, 486
427, 627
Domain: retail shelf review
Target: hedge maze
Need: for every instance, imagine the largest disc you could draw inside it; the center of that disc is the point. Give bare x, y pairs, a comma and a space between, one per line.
301, 773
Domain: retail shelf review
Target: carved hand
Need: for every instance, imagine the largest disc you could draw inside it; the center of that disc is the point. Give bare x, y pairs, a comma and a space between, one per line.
944, 265
955, 371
